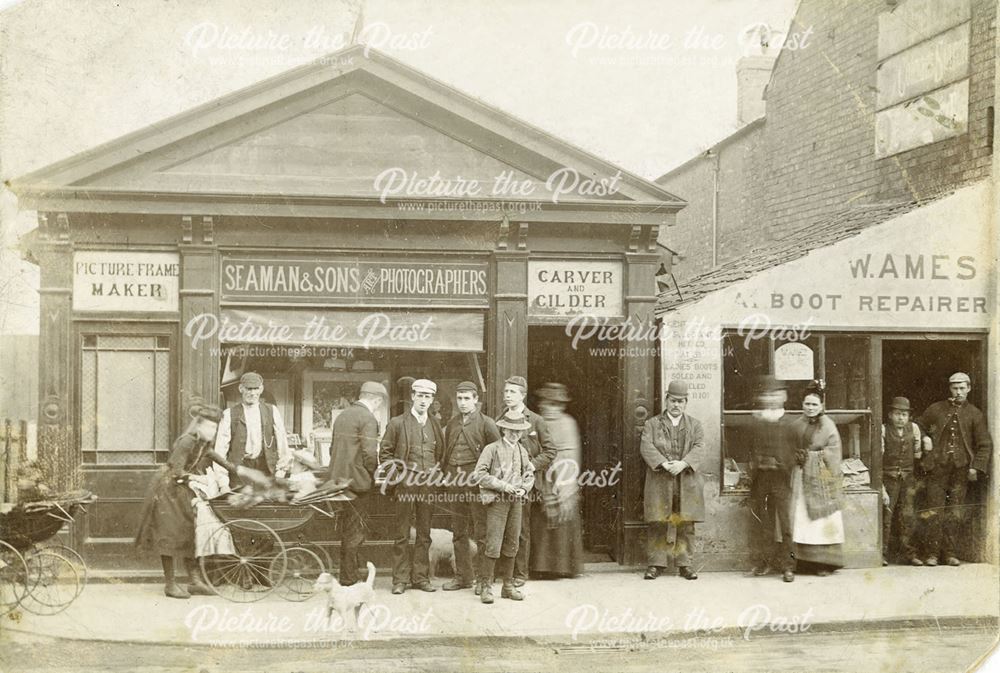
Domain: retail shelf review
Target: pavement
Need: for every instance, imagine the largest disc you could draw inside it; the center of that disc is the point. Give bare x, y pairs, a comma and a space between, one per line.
607, 607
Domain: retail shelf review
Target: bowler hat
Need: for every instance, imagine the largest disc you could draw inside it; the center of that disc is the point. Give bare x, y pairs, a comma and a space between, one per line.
374, 388
424, 386
554, 392
518, 381
252, 380
959, 377
677, 389
900, 403
513, 421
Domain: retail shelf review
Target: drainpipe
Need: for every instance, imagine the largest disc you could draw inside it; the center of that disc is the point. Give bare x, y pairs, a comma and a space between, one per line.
712, 154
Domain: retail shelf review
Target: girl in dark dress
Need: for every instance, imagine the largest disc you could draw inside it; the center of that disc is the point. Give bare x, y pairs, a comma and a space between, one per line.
167, 525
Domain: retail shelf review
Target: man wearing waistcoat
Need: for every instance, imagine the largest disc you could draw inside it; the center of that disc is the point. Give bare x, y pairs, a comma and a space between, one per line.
959, 452
673, 446
411, 455
466, 434
902, 446
252, 433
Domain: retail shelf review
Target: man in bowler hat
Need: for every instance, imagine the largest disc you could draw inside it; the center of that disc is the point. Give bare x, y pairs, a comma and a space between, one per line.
902, 447
673, 446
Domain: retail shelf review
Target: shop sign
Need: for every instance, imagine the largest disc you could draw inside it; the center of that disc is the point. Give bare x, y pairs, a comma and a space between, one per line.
560, 289
913, 21
125, 281
793, 362
930, 65
355, 281
932, 117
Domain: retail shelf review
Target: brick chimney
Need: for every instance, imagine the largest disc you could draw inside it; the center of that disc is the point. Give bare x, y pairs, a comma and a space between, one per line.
753, 71
752, 75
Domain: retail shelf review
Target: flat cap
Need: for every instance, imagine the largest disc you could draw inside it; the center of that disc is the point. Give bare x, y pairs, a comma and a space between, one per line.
959, 377
467, 387
252, 380
374, 388
424, 386
518, 381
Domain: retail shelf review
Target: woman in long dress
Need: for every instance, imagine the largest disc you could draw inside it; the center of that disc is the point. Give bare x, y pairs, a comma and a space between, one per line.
817, 518
556, 534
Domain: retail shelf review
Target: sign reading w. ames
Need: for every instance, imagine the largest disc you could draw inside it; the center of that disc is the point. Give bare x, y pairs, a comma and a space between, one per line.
355, 281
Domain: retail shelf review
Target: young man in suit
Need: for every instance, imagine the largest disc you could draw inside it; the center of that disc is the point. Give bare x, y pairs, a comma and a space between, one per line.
411, 453
466, 434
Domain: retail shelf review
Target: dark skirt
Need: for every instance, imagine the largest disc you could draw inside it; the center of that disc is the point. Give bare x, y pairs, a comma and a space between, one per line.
555, 550
167, 525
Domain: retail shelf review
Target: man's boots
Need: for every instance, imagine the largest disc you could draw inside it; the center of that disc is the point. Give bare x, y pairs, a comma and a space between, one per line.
486, 579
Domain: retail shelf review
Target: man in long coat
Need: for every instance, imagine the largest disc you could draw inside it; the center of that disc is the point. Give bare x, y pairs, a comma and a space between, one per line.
354, 458
673, 446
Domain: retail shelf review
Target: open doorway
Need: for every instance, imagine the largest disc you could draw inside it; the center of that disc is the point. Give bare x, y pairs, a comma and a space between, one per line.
594, 385
918, 369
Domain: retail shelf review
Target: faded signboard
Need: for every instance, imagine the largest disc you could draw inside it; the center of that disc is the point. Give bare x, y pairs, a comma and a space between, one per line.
935, 116
930, 65
914, 21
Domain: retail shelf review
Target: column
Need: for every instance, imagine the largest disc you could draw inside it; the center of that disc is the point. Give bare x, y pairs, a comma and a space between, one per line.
199, 365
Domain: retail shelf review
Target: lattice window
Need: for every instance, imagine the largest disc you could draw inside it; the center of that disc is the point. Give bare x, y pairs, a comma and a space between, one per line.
124, 398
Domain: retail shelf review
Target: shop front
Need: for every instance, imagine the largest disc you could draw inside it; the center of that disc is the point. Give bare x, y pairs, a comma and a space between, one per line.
877, 304
269, 232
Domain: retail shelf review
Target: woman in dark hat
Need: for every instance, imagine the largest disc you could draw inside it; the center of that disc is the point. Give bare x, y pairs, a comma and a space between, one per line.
167, 525
557, 541
817, 519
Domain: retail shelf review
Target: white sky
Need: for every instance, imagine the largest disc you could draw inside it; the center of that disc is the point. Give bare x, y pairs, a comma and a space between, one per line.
76, 74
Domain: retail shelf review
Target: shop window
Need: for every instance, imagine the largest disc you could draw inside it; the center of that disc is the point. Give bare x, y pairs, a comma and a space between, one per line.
841, 361
124, 399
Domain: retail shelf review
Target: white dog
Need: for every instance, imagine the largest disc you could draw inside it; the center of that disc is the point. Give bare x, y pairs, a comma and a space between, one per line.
442, 549
342, 600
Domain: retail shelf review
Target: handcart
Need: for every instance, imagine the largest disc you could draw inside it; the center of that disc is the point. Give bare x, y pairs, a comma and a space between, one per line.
264, 557
43, 580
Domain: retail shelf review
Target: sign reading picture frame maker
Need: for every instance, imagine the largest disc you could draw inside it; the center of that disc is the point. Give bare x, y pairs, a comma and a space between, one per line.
561, 289
126, 281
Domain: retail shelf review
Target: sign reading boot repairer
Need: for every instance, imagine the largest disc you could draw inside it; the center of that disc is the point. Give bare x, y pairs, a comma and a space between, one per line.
125, 281
559, 289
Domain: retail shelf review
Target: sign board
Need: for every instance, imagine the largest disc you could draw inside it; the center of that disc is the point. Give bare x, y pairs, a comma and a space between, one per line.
930, 65
355, 281
913, 21
935, 116
560, 289
793, 362
125, 281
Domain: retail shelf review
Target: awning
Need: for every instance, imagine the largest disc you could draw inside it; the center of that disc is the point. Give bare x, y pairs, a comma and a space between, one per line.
390, 329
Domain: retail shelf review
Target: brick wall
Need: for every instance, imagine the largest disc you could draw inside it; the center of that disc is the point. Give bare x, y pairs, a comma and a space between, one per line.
815, 153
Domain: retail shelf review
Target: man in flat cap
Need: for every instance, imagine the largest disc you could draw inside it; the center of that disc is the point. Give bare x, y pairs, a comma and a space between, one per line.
902, 447
413, 444
354, 458
673, 446
466, 434
960, 451
542, 451
252, 433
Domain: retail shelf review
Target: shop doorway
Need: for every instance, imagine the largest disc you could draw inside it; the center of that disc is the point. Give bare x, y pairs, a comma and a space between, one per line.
594, 384
918, 369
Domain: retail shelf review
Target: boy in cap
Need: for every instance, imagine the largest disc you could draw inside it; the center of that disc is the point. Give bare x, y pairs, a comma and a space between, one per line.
902, 446
413, 443
772, 456
252, 433
354, 458
541, 450
673, 446
960, 450
505, 475
466, 434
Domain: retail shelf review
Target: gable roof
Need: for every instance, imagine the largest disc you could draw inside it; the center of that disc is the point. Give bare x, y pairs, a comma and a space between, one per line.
323, 131
836, 227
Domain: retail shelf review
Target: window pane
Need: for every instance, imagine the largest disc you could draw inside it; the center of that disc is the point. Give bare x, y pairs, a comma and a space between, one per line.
88, 401
847, 372
125, 401
742, 364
